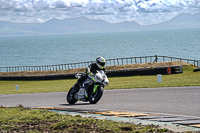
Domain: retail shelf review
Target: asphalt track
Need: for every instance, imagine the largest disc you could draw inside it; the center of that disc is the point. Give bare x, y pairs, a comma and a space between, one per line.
168, 100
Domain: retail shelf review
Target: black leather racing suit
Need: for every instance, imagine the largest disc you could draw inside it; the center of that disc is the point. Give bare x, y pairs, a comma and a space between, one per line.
91, 69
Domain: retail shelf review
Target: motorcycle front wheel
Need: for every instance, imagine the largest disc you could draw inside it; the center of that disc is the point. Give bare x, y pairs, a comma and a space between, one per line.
70, 97
95, 97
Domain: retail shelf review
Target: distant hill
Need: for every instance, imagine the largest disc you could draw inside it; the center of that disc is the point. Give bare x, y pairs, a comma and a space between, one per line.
182, 21
85, 25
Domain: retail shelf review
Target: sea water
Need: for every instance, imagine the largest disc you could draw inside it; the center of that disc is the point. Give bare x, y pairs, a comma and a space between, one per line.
73, 48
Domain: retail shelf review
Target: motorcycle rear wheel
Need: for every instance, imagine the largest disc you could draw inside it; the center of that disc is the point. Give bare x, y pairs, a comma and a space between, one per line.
70, 97
95, 97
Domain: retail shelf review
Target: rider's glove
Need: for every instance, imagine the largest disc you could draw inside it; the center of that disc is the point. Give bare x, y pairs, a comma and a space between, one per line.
90, 73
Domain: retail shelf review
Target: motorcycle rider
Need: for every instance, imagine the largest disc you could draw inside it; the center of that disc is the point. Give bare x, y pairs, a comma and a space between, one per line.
90, 70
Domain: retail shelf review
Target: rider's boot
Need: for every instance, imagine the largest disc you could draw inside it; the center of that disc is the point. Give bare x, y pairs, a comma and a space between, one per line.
78, 82
75, 87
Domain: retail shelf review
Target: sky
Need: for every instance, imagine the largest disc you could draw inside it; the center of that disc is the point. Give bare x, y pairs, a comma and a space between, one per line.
144, 12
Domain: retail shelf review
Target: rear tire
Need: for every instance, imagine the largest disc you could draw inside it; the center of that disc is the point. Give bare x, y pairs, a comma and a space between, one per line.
95, 97
70, 97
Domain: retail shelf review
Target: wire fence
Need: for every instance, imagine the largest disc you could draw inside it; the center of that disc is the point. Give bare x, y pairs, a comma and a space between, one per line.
109, 62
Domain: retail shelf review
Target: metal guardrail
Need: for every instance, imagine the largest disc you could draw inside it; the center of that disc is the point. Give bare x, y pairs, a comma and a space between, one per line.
109, 62
148, 59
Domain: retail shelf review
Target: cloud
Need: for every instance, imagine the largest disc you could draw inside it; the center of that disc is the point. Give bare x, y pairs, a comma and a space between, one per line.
142, 11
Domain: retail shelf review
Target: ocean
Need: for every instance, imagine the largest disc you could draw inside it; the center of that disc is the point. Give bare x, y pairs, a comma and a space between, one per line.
73, 48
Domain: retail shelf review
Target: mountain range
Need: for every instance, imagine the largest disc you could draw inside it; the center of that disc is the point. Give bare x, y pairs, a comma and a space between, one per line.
85, 25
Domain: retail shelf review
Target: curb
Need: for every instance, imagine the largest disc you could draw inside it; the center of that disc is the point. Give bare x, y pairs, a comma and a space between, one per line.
130, 117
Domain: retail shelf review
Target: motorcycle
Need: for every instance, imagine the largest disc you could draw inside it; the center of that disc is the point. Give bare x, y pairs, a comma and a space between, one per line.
90, 90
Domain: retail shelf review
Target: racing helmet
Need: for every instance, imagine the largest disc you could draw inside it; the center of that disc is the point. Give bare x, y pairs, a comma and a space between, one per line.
100, 61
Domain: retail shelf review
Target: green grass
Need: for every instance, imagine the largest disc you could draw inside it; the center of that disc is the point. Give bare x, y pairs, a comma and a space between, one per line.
26, 120
8, 87
187, 78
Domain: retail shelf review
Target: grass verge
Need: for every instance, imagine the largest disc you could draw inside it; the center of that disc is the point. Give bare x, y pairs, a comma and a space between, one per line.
26, 120
187, 78
80, 70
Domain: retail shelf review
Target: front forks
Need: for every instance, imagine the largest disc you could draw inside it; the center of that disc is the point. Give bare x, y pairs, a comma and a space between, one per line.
95, 88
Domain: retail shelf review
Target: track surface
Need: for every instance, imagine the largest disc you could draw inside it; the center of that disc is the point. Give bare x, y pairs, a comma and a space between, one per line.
170, 100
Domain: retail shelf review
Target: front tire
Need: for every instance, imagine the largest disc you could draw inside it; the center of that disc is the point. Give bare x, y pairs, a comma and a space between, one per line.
70, 97
95, 97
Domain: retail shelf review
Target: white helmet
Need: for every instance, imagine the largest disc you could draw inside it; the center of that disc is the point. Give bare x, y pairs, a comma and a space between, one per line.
100, 61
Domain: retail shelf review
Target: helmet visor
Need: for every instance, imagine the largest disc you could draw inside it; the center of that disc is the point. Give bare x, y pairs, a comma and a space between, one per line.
101, 63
